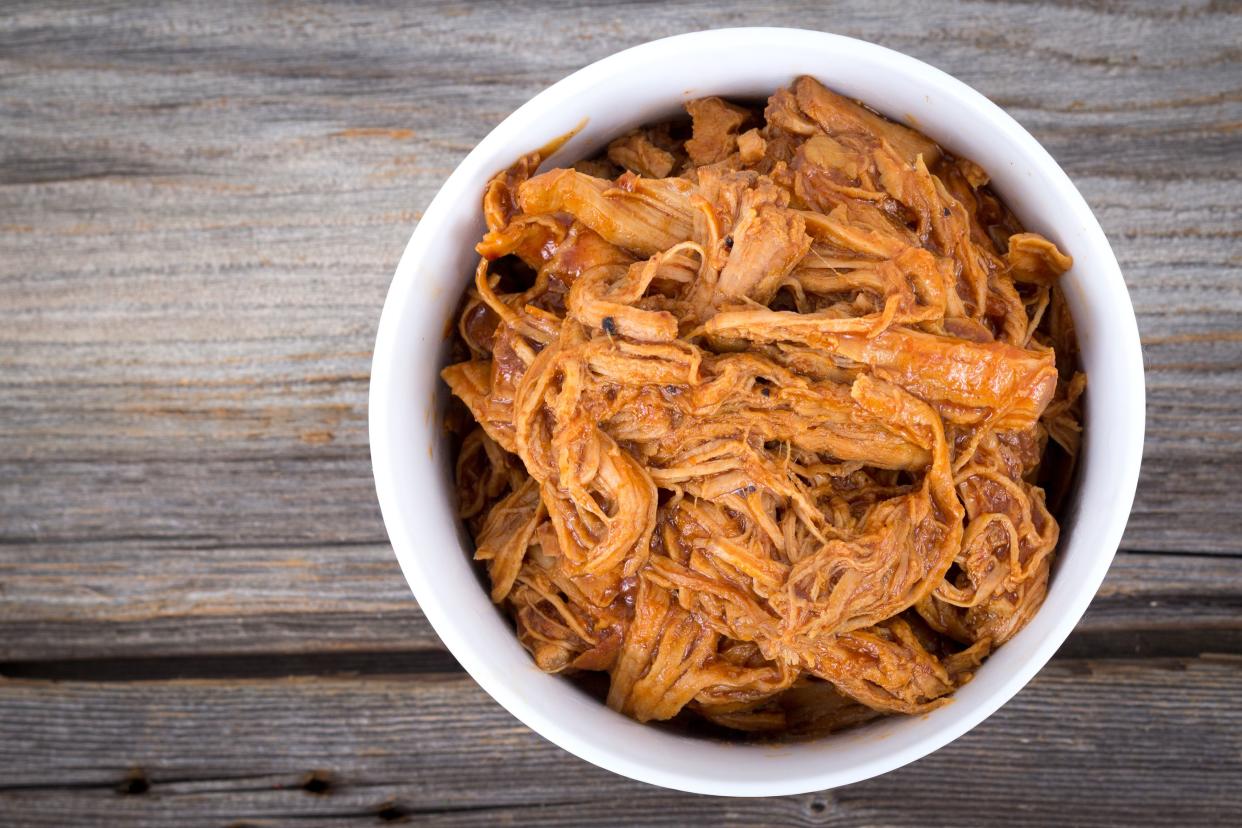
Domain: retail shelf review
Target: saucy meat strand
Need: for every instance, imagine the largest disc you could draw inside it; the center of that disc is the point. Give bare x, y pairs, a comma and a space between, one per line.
759, 409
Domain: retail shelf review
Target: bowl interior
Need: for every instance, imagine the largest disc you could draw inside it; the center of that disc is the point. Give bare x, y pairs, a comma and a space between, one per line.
649, 83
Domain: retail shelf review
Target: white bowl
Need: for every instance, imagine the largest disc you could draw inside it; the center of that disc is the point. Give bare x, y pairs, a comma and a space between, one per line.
648, 83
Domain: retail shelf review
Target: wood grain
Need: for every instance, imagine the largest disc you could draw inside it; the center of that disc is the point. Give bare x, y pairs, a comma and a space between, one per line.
200, 211
225, 196
84, 601
1113, 739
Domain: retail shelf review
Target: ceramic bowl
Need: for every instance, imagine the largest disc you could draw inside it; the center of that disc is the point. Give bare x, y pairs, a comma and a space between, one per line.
648, 83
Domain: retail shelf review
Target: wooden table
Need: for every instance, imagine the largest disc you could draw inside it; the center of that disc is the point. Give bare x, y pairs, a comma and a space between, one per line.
201, 621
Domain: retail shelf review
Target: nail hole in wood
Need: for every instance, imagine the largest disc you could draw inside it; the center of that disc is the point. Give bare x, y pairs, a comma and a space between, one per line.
135, 782
317, 782
391, 812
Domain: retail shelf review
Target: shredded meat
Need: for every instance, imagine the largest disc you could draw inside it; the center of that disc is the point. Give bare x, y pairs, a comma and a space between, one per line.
761, 425
716, 124
640, 153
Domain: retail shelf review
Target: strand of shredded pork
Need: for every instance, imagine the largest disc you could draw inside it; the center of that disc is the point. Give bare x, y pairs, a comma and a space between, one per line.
758, 409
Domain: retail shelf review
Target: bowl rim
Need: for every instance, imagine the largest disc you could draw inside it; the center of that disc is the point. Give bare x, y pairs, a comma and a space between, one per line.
403, 535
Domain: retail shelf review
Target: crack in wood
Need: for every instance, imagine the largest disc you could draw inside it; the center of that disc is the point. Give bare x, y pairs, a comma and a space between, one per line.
1097, 644
241, 666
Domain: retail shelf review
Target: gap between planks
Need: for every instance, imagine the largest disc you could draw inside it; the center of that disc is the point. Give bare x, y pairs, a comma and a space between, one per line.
1211, 644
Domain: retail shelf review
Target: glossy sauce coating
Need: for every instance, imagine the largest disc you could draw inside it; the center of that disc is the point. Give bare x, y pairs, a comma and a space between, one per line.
760, 410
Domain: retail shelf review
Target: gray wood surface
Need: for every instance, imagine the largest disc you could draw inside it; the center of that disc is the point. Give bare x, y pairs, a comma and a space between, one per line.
218, 752
200, 211
87, 601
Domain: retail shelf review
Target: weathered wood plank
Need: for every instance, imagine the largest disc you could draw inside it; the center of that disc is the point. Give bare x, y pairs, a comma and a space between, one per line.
1119, 743
136, 598
86, 601
197, 240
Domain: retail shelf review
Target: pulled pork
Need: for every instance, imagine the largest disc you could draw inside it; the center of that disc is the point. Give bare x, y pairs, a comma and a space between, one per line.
759, 424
